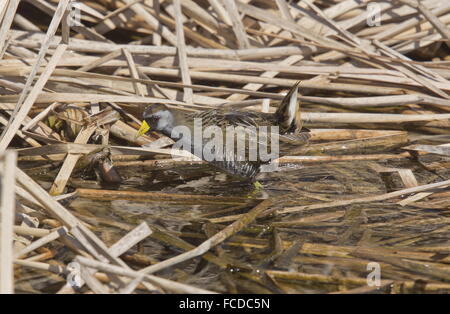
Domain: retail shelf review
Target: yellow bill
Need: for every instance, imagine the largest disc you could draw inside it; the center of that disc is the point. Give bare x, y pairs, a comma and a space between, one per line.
143, 129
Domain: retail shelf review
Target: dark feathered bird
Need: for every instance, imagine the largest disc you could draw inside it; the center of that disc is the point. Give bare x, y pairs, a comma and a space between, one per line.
287, 118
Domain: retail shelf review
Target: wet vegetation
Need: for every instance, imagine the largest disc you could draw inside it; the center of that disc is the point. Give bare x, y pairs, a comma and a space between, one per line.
92, 208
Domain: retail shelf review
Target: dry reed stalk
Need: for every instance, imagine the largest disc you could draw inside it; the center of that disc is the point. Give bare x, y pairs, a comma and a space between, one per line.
69, 163
138, 88
211, 242
235, 54
376, 198
164, 283
22, 110
7, 205
7, 16
157, 196
41, 242
182, 56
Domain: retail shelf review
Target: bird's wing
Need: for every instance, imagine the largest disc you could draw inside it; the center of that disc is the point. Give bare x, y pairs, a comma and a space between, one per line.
245, 126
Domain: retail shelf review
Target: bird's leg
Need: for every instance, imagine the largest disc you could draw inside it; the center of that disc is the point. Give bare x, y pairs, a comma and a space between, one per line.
257, 185
257, 188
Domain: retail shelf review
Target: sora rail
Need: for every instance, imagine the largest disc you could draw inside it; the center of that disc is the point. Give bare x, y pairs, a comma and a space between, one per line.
287, 118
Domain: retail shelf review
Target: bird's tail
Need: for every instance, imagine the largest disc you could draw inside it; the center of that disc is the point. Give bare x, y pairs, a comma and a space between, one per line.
288, 113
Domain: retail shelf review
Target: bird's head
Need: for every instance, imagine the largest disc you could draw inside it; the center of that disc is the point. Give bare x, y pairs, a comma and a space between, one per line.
156, 118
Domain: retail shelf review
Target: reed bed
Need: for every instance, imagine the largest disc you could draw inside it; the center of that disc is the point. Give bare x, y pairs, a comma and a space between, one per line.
372, 186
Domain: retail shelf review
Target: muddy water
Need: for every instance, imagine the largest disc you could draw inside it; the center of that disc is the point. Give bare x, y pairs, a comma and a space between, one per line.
310, 241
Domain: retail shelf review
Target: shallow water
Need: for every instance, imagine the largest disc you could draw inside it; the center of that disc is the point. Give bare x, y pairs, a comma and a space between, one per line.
336, 242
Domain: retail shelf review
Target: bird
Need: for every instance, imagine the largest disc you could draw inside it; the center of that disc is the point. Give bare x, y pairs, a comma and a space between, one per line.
287, 118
